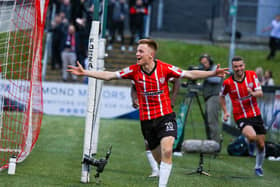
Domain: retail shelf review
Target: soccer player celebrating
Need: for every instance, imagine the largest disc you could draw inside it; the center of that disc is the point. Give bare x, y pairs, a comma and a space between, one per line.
243, 88
151, 76
135, 103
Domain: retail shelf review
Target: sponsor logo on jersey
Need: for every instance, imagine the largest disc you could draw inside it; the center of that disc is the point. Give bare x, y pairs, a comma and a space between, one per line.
152, 93
233, 91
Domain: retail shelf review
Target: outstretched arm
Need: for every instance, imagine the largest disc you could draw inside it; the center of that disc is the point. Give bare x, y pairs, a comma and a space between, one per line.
103, 75
196, 74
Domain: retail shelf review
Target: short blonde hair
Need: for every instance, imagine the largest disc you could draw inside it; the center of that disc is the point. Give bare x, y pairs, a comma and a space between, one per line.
151, 43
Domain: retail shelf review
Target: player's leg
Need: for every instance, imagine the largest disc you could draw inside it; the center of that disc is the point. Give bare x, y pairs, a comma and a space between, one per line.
212, 113
272, 47
166, 146
260, 154
157, 154
152, 143
250, 134
167, 131
153, 163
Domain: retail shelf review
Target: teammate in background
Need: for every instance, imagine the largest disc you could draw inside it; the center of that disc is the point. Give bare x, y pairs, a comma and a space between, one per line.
135, 104
151, 76
243, 88
210, 89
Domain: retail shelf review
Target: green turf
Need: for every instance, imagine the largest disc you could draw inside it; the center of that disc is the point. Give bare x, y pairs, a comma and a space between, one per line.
55, 160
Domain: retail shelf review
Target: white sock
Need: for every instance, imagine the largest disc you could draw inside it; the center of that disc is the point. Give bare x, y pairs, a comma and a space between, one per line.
152, 161
260, 156
164, 173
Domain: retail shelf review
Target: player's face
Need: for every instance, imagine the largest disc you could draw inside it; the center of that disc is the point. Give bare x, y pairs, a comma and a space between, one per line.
238, 68
144, 54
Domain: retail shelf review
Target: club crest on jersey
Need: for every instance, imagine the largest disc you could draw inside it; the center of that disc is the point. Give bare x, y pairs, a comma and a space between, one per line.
251, 85
161, 80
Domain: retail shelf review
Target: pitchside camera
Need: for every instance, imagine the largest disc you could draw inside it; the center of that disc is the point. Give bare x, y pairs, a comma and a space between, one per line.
192, 84
200, 67
98, 163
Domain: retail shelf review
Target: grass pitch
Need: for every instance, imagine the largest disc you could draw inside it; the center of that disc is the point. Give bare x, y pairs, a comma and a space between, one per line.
56, 159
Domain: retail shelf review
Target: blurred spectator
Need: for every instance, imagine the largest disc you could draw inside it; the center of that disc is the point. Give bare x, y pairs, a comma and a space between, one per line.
210, 89
110, 18
146, 3
268, 80
58, 30
57, 4
259, 72
274, 39
66, 9
77, 7
119, 11
80, 15
136, 13
68, 54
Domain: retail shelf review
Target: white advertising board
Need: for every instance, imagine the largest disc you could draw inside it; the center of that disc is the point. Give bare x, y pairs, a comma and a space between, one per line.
71, 99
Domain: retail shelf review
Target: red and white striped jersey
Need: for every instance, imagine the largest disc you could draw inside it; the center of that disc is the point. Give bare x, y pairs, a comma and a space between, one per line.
244, 105
152, 88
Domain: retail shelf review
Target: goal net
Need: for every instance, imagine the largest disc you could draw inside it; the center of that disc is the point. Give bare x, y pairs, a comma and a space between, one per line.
21, 102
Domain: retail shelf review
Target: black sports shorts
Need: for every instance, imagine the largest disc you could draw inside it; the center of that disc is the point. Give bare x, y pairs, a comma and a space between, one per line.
155, 129
255, 122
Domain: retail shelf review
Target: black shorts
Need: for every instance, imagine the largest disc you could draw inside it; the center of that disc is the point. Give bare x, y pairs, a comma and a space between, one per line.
154, 130
255, 122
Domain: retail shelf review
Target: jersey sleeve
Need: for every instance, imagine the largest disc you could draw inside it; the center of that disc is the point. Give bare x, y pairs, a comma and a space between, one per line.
257, 84
126, 73
173, 71
225, 88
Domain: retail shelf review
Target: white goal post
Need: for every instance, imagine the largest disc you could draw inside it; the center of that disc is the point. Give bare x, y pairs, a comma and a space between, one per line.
96, 51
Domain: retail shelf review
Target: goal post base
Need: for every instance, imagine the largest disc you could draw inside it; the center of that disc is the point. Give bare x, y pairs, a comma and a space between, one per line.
85, 174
